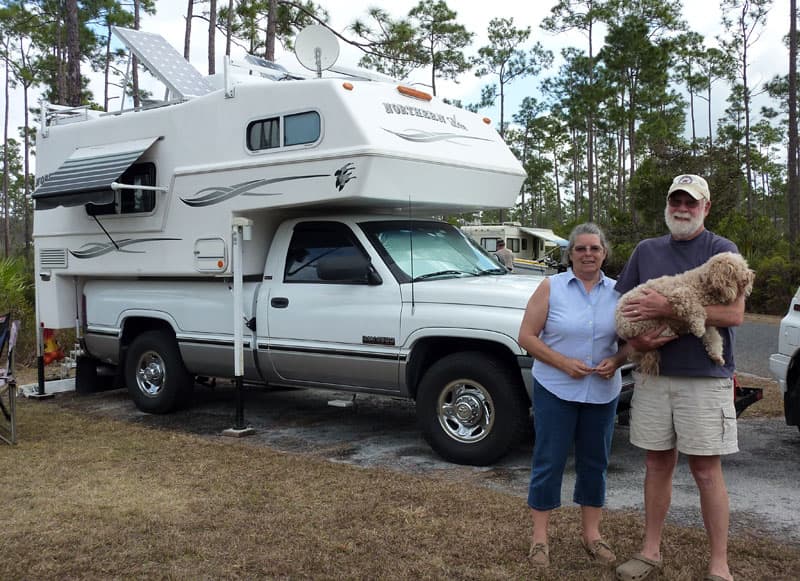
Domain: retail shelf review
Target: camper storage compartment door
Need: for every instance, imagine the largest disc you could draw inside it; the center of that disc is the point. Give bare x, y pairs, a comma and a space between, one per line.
86, 175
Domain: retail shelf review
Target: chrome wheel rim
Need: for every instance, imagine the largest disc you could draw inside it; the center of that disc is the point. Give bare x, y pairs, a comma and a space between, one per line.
465, 411
151, 373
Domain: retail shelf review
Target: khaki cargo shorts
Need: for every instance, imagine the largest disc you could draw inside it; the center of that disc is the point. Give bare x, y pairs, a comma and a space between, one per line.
696, 415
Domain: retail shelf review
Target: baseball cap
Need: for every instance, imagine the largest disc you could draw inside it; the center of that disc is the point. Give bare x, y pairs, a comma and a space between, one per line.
693, 185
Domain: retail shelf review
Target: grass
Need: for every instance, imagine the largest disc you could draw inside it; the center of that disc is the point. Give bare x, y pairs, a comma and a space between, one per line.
86, 497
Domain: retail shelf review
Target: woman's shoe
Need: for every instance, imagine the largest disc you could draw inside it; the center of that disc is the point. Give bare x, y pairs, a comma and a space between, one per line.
599, 551
539, 555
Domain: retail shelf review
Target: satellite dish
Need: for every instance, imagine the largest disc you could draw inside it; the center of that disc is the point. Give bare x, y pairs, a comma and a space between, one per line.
316, 48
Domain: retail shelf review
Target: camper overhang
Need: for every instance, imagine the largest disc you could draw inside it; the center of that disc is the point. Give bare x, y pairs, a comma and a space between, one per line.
87, 174
548, 236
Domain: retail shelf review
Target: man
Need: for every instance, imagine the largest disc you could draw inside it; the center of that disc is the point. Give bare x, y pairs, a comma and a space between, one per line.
689, 407
504, 255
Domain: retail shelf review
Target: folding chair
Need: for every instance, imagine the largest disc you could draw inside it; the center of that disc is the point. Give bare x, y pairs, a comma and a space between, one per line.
8, 383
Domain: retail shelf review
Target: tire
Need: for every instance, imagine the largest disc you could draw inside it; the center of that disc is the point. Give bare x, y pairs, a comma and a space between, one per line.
155, 375
471, 408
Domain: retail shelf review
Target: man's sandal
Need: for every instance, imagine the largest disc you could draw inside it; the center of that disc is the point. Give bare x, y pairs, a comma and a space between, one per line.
638, 568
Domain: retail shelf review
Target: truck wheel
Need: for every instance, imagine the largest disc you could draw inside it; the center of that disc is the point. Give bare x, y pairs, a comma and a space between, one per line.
471, 408
154, 372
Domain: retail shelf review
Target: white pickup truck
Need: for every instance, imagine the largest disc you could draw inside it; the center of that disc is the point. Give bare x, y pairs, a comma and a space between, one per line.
340, 305
785, 365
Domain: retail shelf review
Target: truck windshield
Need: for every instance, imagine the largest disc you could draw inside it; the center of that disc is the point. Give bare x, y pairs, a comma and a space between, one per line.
417, 250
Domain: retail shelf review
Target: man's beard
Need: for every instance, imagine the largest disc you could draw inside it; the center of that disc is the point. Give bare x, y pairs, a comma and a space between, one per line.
681, 229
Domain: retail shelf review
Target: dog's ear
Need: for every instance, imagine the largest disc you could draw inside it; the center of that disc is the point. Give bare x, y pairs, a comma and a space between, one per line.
748, 280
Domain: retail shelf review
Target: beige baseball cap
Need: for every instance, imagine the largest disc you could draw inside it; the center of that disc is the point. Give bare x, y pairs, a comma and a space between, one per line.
693, 185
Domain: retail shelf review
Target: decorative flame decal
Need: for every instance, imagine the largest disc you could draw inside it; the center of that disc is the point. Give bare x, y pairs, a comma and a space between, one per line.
217, 194
419, 136
95, 249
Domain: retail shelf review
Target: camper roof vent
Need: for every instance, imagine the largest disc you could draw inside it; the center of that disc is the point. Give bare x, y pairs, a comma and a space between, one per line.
166, 63
52, 258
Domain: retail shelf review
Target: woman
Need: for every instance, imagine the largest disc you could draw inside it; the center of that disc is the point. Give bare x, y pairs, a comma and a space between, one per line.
568, 328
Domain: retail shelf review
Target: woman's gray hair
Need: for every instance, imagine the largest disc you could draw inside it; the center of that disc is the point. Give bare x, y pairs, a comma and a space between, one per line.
588, 228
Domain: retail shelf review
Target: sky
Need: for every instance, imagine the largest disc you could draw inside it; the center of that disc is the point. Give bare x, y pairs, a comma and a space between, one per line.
768, 56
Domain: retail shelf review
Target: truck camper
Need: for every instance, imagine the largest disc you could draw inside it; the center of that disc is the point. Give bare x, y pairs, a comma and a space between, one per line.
278, 229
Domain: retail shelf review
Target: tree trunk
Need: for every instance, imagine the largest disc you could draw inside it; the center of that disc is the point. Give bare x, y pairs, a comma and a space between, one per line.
187, 35
228, 29
6, 94
135, 61
793, 197
747, 161
272, 25
73, 55
212, 29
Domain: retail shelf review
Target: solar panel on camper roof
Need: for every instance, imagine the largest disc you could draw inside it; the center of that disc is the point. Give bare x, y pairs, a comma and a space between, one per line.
166, 63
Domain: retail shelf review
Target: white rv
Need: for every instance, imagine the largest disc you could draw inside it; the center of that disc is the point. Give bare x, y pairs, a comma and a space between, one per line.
534, 249
278, 230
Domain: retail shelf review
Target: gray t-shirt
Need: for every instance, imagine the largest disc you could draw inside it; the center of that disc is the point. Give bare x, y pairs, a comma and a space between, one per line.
654, 257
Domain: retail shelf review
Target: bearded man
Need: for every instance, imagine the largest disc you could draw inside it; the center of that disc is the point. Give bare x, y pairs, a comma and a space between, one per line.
689, 407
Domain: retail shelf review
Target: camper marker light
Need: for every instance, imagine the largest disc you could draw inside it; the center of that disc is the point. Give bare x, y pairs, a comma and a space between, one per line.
417, 94
487, 121
348, 86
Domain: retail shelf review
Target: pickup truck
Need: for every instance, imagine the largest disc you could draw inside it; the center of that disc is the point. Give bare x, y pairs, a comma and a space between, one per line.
341, 305
785, 365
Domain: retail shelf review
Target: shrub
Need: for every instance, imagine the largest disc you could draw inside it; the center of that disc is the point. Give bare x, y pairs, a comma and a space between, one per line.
15, 298
776, 281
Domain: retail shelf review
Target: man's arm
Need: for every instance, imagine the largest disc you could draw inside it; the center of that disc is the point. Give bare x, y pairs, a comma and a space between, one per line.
731, 315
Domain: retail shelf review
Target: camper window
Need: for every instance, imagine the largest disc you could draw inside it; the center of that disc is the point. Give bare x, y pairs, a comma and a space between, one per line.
490, 244
264, 134
130, 201
513, 244
301, 128
298, 129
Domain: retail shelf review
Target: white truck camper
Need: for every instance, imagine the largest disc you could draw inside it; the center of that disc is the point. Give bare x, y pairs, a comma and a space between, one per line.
277, 229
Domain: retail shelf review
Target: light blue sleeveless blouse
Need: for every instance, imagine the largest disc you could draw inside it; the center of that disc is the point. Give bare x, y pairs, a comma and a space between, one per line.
580, 325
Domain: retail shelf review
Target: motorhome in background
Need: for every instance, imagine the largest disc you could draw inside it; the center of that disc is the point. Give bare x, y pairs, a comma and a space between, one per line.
537, 250
276, 229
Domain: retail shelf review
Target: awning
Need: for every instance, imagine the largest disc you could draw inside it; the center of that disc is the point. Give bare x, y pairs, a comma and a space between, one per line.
546, 235
87, 174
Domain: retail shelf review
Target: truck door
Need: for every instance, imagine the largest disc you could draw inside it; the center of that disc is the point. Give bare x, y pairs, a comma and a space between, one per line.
332, 318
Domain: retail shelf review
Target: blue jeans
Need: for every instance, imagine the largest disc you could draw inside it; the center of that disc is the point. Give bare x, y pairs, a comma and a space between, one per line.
559, 424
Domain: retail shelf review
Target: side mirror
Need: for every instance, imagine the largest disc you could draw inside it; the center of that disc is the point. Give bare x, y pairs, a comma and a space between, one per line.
352, 268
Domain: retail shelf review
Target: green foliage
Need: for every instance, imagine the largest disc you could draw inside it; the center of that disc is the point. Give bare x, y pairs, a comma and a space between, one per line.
16, 297
777, 279
756, 238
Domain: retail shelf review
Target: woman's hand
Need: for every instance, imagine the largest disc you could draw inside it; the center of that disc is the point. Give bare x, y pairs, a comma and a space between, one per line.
607, 367
576, 368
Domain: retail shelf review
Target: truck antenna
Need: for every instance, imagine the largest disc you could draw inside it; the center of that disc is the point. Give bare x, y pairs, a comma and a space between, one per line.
411, 250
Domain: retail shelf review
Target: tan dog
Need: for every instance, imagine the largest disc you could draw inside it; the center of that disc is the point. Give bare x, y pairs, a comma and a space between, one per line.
719, 281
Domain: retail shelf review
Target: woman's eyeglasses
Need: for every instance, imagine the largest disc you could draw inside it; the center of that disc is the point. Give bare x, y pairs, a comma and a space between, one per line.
594, 249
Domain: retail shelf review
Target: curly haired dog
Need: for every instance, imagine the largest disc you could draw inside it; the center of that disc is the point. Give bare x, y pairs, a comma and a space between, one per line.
719, 281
